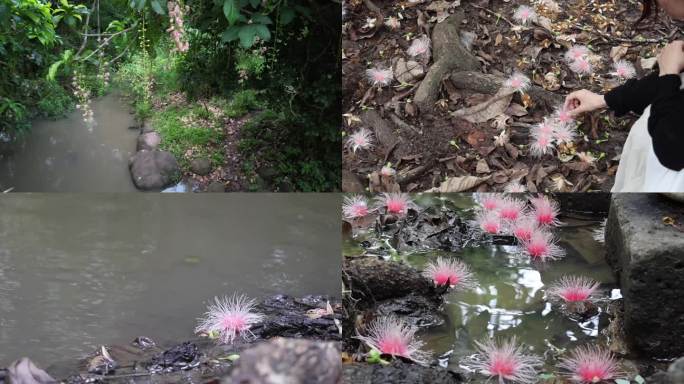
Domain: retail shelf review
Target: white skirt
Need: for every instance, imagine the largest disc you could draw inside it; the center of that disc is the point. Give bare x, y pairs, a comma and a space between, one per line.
639, 169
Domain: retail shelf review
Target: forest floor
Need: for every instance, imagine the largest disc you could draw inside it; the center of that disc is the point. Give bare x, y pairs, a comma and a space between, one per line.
412, 121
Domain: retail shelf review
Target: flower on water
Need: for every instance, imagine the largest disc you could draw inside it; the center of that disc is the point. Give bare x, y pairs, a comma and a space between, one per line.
564, 133
229, 318
518, 81
581, 66
361, 139
624, 69
505, 359
355, 206
515, 187
525, 14
388, 171
541, 246
573, 289
576, 52
419, 47
545, 210
511, 209
488, 222
523, 228
590, 364
395, 203
392, 23
450, 271
392, 336
380, 77
542, 143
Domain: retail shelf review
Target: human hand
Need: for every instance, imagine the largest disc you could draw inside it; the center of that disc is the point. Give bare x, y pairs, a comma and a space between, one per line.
671, 58
583, 101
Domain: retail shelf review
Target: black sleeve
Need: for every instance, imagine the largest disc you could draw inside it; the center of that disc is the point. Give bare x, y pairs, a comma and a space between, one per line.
634, 95
666, 122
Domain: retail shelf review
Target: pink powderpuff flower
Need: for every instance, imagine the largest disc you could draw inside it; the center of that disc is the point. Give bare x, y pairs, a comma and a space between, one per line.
393, 23
545, 211
380, 77
395, 203
518, 82
590, 364
524, 227
229, 317
564, 133
573, 289
506, 360
392, 336
545, 127
581, 66
542, 247
361, 139
511, 209
354, 207
419, 47
387, 171
563, 115
489, 222
542, 143
515, 187
525, 15
490, 201
576, 52
450, 271
624, 69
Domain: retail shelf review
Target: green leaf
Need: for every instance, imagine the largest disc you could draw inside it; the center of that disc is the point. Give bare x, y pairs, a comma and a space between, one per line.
52, 72
230, 9
639, 379
141, 4
621, 381
286, 16
254, 3
247, 35
157, 7
262, 19
230, 34
263, 32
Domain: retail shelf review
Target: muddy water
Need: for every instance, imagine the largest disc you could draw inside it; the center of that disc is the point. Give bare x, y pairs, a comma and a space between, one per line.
68, 155
78, 271
510, 298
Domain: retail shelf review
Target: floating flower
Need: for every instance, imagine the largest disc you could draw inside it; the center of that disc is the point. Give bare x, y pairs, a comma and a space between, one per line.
392, 336
380, 77
230, 317
542, 143
488, 222
572, 289
506, 360
542, 247
525, 14
395, 203
581, 66
419, 47
564, 133
361, 139
624, 69
450, 271
523, 228
576, 52
354, 207
545, 210
511, 209
393, 23
518, 81
590, 364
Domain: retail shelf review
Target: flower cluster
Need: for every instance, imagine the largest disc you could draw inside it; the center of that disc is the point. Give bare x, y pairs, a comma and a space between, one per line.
529, 222
82, 94
577, 58
356, 206
558, 129
177, 29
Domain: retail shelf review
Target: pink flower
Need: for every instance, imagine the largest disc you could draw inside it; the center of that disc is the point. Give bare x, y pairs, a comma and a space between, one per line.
523, 228
563, 115
590, 364
490, 201
419, 47
229, 317
380, 77
576, 52
515, 187
395, 203
581, 66
542, 247
450, 271
506, 360
361, 139
354, 207
573, 289
542, 143
392, 336
488, 222
393, 23
545, 127
511, 209
624, 69
525, 14
564, 133
388, 171
518, 82
545, 210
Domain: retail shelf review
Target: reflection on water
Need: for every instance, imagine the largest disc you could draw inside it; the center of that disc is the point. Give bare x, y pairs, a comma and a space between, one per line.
77, 271
69, 155
510, 297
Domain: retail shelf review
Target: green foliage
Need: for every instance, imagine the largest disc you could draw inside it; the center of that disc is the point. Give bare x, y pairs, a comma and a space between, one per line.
158, 6
55, 101
250, 63
242, 102
69, 13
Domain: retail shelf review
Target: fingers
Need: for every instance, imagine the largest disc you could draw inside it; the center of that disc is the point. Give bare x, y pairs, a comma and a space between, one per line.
570, 100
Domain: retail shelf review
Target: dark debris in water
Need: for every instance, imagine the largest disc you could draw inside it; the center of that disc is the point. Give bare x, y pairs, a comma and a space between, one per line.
183, 356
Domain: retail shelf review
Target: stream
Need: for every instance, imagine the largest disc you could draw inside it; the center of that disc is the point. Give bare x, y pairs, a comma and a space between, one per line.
68, 155
80, 271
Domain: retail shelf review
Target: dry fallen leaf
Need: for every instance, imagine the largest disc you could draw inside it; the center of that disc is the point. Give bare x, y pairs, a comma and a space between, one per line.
459, 184
488, 109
